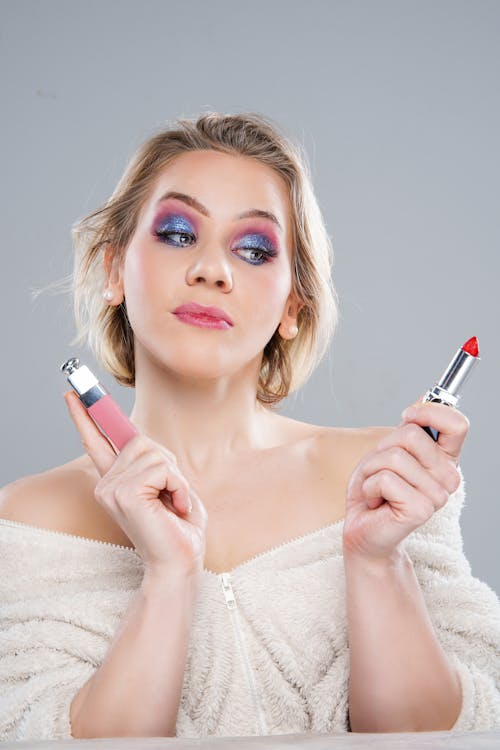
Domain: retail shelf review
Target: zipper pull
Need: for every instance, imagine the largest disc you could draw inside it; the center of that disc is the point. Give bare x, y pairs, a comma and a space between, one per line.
228, 591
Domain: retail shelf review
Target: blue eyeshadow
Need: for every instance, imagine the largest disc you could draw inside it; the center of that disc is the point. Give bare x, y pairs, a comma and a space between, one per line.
251, 240
175, 224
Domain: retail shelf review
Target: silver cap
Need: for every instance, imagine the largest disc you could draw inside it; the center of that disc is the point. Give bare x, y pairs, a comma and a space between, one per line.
80, 377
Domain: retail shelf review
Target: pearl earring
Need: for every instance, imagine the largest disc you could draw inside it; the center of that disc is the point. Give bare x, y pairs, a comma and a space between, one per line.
108, 295
293, 330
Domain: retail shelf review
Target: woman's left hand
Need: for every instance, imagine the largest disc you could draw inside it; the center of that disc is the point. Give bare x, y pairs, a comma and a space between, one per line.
400, 484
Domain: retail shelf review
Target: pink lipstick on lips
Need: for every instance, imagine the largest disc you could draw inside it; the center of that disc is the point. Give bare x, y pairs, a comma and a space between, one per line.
204, 316
105, 412
446, 390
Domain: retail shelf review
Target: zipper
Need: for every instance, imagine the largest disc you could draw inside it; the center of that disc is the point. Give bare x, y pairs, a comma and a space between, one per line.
232, 606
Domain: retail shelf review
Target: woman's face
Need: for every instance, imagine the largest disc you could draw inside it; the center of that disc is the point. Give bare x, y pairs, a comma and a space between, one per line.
196, 247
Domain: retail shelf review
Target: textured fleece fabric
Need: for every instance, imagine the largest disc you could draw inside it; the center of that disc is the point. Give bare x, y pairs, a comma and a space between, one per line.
268, 651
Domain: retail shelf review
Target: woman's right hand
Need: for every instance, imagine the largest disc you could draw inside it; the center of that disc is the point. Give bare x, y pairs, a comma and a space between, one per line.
144, 491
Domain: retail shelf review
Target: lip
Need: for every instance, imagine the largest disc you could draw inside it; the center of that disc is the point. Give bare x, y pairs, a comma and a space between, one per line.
207, 311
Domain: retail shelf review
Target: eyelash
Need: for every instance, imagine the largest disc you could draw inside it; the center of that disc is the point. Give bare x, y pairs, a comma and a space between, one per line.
267, 254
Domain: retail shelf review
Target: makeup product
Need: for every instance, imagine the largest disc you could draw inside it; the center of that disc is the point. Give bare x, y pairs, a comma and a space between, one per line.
446, 390
113, 423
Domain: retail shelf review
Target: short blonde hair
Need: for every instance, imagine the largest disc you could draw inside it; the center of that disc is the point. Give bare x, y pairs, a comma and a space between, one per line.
286, 364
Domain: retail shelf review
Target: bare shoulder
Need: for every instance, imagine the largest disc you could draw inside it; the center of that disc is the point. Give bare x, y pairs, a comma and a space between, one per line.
336, 447
346, 446
61, 499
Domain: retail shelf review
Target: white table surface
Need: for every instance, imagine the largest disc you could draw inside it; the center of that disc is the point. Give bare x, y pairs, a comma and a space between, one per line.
487, 740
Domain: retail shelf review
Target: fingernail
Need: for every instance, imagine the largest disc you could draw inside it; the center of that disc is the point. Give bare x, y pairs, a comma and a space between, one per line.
409, 413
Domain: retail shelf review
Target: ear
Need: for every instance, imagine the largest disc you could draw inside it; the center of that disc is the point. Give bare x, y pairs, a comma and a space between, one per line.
113, 268
288, 321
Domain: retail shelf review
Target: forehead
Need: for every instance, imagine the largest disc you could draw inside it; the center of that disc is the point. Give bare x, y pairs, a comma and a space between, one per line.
226, 184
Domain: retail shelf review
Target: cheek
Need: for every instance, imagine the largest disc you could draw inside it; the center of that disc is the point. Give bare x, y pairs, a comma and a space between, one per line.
139, 272
274, 291
267, 305
145, 290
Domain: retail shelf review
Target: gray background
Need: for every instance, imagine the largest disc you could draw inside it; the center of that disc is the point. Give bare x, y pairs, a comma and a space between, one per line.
397, 105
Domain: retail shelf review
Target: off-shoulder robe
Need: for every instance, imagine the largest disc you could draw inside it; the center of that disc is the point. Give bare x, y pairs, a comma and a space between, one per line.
268, 651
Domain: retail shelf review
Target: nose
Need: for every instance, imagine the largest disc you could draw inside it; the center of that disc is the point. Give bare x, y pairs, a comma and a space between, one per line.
210, 267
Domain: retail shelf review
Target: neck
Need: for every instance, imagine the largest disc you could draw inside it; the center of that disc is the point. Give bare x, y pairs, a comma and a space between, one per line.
205, 422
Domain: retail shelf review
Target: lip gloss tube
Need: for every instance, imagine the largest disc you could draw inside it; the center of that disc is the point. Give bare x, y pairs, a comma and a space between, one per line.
111, 420
446, 390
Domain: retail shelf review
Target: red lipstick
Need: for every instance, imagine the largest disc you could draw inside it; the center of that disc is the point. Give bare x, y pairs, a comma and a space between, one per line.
446, 390
471, 347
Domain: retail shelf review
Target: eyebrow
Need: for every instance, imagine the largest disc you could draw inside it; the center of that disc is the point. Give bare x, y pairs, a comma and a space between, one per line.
253, 212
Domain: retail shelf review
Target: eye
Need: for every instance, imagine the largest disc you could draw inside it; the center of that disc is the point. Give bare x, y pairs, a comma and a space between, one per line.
169, 237
260, 244
265, 256
175, 230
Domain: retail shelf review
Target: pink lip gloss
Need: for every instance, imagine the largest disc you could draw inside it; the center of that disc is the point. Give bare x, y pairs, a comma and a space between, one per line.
105, 412
203, 321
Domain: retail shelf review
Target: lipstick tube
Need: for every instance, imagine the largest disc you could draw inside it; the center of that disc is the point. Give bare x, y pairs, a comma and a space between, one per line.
446, 390
111, 420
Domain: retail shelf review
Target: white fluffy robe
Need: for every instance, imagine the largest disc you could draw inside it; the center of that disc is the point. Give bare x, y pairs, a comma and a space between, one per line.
277, 663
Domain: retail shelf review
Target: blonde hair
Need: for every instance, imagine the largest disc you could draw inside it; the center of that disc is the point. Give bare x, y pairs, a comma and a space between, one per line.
286, 364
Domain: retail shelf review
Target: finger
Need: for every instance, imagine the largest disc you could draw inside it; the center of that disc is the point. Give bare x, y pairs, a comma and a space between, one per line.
451, 424
151, 470
413, 439
428, 454
198, 512
178, 490
94, 442
406, 502
435, 485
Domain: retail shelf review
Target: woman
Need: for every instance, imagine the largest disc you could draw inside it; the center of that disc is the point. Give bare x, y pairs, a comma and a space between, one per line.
260, 575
